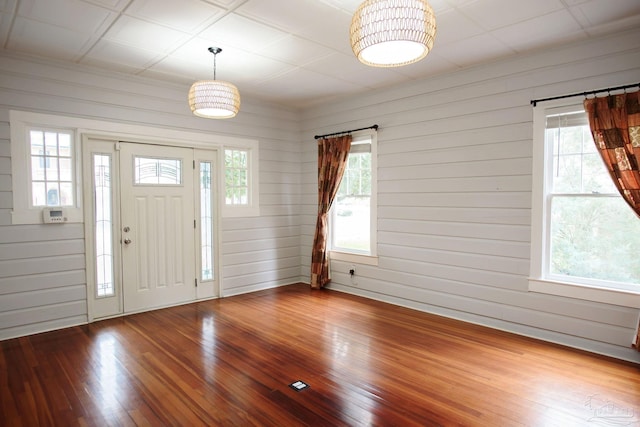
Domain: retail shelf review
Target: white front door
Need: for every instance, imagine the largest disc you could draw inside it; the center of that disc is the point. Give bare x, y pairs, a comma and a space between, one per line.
150, 225
157, 226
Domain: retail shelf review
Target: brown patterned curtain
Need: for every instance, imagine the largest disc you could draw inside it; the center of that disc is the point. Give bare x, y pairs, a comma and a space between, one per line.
615, 126
332, 162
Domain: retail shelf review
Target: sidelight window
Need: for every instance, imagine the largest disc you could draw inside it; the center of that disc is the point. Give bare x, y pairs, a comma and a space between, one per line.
103, 225
206, 222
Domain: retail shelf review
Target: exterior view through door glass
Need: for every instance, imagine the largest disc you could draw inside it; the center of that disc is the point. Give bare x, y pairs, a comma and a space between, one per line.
157, 226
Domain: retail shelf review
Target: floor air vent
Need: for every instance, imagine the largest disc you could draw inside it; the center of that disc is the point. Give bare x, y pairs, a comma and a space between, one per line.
299, 385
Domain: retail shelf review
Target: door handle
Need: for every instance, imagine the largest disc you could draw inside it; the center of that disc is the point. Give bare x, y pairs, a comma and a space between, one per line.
127, 241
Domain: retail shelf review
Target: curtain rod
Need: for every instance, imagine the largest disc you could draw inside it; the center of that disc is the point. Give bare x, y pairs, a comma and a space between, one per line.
590, 92
346, 131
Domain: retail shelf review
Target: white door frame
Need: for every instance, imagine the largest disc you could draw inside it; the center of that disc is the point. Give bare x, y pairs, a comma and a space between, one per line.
95, 309
210, 153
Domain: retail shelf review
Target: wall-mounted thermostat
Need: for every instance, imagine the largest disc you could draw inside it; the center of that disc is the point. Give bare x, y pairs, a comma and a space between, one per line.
54, 216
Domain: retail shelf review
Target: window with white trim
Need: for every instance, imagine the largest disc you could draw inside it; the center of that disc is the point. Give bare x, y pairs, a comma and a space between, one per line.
45, 168
353, 214
589, 236
21, 122
240, 181
51, 167
236, 177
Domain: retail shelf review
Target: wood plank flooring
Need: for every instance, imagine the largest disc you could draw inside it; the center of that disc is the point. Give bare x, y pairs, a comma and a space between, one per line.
230, 362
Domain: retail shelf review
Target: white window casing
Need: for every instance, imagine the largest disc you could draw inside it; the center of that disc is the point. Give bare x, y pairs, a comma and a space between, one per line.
21, 122
23, 210
540, 279
249, 206
368, 257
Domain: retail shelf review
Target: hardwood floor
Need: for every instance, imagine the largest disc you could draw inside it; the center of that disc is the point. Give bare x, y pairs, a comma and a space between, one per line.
230, 362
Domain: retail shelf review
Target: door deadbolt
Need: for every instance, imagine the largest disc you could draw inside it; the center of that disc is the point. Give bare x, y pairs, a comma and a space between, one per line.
126, 229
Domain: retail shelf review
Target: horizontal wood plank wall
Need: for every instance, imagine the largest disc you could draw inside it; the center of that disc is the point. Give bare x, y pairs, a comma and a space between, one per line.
42, 272
454, 192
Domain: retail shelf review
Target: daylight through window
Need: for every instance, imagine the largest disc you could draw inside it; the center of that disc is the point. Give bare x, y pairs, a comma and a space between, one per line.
236, 167
593, 236
206, 222
352, 208
51, 168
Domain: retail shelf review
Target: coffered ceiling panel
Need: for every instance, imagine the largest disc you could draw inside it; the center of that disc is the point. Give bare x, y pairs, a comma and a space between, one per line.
53, 41
189, 16
292, 52
73, 15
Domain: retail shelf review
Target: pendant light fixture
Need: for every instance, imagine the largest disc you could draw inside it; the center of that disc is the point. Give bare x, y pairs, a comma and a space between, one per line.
214, 99
392, 33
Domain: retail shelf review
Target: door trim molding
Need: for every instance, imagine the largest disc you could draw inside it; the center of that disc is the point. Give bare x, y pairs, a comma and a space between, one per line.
115, 138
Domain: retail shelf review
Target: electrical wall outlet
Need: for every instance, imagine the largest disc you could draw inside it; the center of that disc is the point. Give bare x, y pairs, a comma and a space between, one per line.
352, 274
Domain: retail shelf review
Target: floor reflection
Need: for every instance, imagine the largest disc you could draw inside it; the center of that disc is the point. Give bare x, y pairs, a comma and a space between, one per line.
208, 346
351, 358
108, 391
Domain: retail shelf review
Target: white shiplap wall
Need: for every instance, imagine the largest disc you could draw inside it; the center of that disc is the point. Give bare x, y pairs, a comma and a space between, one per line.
42, 275
454, 192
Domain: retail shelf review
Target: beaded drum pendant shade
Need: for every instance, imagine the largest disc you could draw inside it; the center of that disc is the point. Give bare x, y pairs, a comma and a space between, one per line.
214, 99
392, 33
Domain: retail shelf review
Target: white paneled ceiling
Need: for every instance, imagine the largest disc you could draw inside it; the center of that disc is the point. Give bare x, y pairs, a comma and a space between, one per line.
293, 52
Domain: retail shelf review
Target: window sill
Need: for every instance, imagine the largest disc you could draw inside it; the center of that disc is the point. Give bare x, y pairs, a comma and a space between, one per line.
585, 292
355, 258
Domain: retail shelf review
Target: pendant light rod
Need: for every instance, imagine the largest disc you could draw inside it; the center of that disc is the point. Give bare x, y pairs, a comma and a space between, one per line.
215, 51
375, 127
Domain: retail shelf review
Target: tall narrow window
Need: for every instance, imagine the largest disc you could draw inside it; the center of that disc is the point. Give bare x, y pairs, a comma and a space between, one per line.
51, 168
236, 167
206, 222
103, 225
353, 212
241, 195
